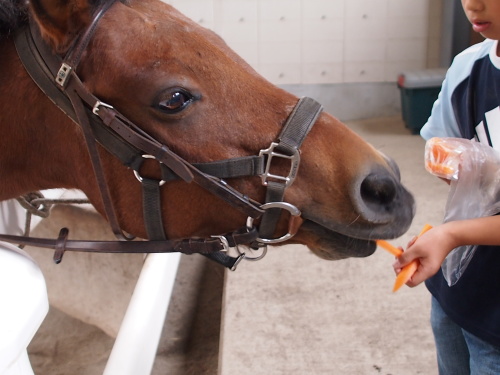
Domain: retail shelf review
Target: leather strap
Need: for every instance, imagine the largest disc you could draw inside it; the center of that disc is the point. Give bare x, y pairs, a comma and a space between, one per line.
298, 125
185, 246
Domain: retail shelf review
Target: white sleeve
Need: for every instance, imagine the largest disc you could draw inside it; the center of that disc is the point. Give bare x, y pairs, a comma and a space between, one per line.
442, 122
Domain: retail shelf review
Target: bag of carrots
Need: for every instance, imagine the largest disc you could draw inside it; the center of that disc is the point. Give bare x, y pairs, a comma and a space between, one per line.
473, 170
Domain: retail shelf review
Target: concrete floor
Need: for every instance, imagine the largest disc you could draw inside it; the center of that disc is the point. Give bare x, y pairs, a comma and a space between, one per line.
293, 313
290, 313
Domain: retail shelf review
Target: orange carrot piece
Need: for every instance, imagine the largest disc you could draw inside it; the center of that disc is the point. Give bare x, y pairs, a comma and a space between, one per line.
425, 229
440, 169
405, 275
392, 249
407, 271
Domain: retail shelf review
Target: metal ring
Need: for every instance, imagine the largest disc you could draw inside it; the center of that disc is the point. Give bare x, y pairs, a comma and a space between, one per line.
294, 211
138, 176
255, 258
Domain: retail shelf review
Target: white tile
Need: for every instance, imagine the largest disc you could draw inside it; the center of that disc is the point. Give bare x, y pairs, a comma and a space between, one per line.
323, 9
279, 9
407, 50
280, 52
323, 29
322, 52
280, 30
408, 27
236, 11
356, 9
416, 8
322, 73
201, 11
365, 27
368, 71
281, 73
238, 32
365, 50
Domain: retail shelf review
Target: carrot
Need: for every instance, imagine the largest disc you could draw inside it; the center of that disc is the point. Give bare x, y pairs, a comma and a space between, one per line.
439, 169
441, 157
407, 272
392, 249
405, 275
425, 229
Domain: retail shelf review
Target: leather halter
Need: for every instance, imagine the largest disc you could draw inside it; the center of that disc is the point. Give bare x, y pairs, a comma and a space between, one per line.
103, 124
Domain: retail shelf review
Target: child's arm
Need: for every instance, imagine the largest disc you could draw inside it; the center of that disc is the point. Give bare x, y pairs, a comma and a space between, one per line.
432, 247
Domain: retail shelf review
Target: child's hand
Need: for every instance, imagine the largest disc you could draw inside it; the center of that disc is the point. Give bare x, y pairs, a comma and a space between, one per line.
431, 248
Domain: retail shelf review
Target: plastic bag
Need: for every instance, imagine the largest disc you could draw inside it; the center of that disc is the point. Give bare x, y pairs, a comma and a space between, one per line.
473, 169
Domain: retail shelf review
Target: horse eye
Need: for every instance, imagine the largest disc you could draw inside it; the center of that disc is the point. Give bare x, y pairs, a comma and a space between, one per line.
176, 101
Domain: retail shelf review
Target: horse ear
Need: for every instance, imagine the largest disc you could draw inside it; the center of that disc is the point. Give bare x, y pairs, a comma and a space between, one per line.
61, 20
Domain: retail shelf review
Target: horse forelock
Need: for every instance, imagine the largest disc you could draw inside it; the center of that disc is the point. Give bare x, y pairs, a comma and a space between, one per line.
13, 14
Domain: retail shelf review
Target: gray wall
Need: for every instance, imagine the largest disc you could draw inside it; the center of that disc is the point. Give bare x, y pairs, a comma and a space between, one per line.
353, 101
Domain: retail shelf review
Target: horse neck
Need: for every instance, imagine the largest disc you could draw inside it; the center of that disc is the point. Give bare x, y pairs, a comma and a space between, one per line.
37, 138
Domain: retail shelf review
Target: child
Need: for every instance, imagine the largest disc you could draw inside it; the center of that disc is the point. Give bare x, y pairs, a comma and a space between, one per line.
465, 317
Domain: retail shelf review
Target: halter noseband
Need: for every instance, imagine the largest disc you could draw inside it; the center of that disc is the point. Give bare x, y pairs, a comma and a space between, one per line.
102, 124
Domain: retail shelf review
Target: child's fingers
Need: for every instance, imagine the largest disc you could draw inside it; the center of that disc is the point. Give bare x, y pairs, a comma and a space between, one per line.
412, 241
404, 259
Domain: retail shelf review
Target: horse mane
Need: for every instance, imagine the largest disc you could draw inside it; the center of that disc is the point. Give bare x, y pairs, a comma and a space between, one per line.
13, 15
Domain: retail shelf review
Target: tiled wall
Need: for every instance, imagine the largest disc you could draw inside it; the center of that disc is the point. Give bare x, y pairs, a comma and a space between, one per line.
325, 41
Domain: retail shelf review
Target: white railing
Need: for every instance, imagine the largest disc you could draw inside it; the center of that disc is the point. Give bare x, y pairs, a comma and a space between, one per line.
136, 344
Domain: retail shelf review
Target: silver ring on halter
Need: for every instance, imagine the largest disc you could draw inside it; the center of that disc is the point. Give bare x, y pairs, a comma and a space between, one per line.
138, 176
294, 211
255, 258
240, 254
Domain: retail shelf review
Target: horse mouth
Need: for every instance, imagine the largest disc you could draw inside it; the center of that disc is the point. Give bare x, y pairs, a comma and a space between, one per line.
331, 245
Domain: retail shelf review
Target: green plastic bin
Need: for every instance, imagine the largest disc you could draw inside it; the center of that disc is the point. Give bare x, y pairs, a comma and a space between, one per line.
419, 90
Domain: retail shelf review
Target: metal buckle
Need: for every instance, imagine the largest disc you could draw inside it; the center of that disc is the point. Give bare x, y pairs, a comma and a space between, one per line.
294, 166
294, 211
239, 255
226, 249
63, 74
95, 109
224, 242
138, 176
257, 257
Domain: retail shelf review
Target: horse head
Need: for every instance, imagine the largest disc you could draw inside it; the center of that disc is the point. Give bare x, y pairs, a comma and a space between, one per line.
185, 88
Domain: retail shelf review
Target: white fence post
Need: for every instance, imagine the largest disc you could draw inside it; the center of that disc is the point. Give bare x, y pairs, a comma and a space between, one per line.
135, 347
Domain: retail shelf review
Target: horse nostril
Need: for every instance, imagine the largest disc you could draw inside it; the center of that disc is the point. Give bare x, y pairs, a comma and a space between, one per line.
378, 190
379, 197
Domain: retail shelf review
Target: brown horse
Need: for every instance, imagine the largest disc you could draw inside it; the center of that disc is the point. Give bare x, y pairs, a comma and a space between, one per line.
182, 86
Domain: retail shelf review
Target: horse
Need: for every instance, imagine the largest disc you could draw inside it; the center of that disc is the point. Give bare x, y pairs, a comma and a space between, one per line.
146, 76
